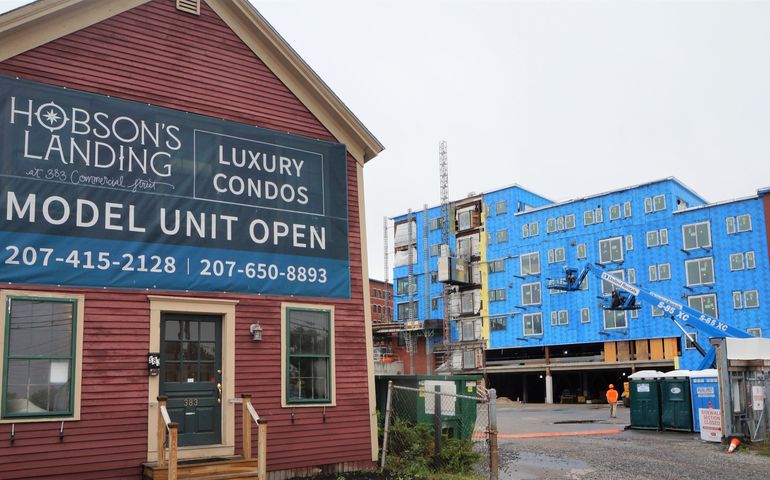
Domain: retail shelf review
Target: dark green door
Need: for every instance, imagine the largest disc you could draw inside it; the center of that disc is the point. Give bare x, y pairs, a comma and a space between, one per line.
645, 404
676, 404
191, 375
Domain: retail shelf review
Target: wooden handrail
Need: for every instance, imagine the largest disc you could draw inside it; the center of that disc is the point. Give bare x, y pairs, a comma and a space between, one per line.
165, 424
250, 414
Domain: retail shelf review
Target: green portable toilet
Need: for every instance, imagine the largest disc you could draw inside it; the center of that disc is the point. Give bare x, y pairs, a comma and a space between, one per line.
458, 414
645, 399
675, 401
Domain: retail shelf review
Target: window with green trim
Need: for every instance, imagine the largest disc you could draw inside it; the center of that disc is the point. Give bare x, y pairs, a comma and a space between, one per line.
39, 357
309, 358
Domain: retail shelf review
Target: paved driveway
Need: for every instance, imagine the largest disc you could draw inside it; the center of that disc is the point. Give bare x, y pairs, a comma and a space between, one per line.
536, 443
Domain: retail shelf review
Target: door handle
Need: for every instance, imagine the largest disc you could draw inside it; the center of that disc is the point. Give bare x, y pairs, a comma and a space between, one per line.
219, 393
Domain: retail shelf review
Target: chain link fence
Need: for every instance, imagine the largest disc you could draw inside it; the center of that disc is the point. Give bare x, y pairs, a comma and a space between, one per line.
433, 430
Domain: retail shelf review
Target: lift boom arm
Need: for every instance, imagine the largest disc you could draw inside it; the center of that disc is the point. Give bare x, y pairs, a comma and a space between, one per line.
680, 314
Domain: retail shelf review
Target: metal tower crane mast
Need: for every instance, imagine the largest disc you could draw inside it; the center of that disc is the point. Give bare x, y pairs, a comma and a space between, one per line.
444, 221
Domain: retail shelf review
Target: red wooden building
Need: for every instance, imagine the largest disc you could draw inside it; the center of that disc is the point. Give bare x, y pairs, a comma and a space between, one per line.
105, 311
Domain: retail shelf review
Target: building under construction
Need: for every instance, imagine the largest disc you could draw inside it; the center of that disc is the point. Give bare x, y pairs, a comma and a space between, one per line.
536, 344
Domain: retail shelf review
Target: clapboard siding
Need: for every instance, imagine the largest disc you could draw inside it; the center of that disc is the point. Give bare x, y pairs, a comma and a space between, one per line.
154, 54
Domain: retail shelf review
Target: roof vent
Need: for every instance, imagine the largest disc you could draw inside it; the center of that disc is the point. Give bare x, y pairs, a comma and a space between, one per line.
189, 6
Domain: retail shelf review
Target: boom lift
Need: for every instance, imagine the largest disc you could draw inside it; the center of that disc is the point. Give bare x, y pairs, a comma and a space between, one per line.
626, 296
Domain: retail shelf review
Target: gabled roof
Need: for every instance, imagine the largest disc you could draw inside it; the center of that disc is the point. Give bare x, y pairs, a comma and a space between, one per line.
43, 21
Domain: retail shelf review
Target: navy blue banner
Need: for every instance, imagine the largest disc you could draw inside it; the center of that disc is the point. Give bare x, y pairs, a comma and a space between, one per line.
98, 191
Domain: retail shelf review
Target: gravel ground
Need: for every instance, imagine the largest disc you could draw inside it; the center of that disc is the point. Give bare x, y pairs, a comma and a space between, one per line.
630, 455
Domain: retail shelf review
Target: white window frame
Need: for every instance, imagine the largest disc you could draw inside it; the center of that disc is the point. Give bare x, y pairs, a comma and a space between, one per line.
559, 255
620, 249
627, 210
738, 223
737, 300
663, 234
648, 205
745, 299
653, 238
530, 287
588, 214
655, 203
662, 277
615, 212
716, 305
598, 215
730, 224
534, 229
631, 276
621, 274
503, 210
699, 260
525, 231
737, 256
698, 245
550, 225
560, 223
531, 316
528, 256
569, 221
563, 317
694, 336
750, 264
502, 235
657, 312
615, 313
629, 242
585, 315
754, 331
652, 273
584, 253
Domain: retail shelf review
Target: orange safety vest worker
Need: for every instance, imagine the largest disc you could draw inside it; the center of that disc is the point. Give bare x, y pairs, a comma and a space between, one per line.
612, 395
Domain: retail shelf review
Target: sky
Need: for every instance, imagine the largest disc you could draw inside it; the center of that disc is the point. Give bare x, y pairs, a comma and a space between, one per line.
566, 98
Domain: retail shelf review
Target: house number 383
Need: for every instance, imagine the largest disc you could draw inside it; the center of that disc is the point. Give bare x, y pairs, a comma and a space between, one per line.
190, 402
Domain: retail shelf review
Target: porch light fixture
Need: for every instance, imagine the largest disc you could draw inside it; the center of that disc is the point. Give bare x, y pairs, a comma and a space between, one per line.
256, 332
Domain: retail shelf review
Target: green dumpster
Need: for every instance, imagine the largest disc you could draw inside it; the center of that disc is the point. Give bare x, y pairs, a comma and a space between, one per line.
645, 399
675, 401
417, 405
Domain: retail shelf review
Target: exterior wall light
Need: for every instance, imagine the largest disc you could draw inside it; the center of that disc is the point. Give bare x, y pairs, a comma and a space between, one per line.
256, 332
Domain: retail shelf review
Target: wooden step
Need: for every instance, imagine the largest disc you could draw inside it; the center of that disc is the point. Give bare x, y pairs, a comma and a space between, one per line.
235, 468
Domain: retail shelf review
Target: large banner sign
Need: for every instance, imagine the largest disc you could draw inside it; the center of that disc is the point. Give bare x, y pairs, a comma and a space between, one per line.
97, 191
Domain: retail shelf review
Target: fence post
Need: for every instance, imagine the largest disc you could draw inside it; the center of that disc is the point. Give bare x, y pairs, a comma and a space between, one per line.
262, 450
437, 425
246, 424
494, 459
386, 426
173, 445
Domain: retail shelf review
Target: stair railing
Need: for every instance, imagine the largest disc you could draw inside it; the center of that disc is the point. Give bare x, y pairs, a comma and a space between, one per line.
249, 415
166, 425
